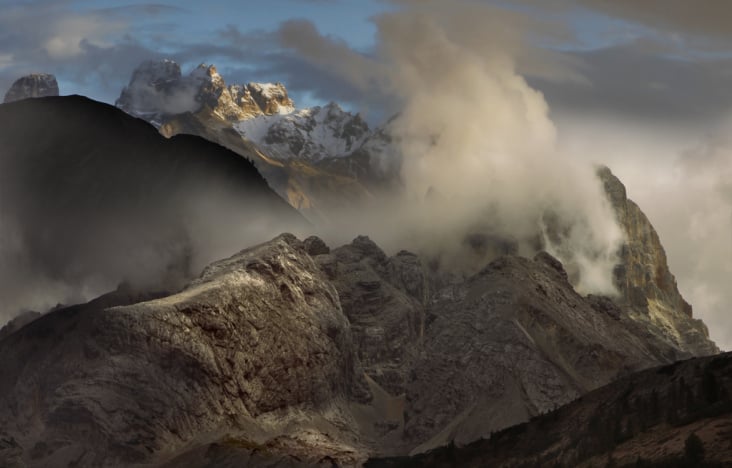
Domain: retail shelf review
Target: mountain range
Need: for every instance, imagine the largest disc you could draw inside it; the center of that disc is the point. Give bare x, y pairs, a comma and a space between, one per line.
292, 352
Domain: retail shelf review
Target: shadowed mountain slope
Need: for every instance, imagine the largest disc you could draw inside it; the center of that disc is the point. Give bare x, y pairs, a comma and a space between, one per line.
89, 194
679, 415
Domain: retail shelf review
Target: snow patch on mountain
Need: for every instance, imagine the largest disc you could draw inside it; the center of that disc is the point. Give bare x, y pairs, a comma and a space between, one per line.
261, 112
313, 133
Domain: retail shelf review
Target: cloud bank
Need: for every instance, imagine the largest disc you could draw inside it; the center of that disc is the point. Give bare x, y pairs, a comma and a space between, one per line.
478, 148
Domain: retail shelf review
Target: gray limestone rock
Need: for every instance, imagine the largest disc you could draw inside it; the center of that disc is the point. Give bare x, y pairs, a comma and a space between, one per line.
32, 86
648, 289
511, 342
257, 346
382, 298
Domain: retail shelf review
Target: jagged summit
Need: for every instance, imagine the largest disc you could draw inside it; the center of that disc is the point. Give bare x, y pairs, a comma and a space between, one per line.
158, 90
314, 133
32, 86
260, 112
647, 287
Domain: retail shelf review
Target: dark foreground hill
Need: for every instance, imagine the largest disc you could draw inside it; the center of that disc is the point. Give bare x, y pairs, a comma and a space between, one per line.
89, 193
675, 415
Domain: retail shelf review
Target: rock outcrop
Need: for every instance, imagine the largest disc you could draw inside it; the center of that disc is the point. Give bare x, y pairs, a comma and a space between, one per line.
384, 300
256, 348
648, 288
512, 342
32, 86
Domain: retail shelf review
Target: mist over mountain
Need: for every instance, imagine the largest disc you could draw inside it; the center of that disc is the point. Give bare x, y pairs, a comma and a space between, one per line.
378, 330
91, 197
487, 193
422, 247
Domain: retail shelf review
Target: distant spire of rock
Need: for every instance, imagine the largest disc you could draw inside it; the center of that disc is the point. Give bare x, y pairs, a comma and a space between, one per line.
32, 86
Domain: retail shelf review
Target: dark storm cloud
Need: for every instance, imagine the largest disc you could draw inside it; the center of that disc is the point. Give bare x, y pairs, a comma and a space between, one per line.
634, 79
707, 19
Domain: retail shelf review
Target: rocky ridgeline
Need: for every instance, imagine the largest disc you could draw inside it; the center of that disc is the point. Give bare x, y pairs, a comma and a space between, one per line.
32, 86
260, 112
158, 90
293, 351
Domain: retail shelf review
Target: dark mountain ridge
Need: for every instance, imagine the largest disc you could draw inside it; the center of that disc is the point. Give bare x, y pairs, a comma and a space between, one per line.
87, 190
645, 419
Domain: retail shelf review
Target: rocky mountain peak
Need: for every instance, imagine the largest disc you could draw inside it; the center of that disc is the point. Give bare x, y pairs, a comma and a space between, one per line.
646, 285
32, 86
271, 98
157, 73
158, 90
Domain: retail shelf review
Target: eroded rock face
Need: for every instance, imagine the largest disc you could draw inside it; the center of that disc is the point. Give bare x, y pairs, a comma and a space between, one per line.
647, 286
383, 299
32, 86
257, 345
294, 354
511, 342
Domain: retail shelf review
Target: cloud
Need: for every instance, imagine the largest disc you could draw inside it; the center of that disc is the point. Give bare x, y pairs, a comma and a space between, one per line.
660, 87
92, 50
707, 20
680, 179
476, 141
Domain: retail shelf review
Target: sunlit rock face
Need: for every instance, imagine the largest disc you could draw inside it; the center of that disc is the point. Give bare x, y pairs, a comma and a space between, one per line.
32, 86
158, 90
647, 287
257, 347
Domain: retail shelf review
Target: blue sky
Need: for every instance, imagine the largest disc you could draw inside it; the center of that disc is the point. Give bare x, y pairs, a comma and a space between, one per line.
167, 28
126, 32
92, 46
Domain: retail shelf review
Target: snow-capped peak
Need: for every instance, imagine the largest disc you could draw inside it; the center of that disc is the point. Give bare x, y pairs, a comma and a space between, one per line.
157, 89
260, 112
313, 133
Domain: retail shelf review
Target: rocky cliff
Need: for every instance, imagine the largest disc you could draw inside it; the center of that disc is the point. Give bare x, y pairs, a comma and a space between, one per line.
291, 352
32, 86
257, 347
648, 288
